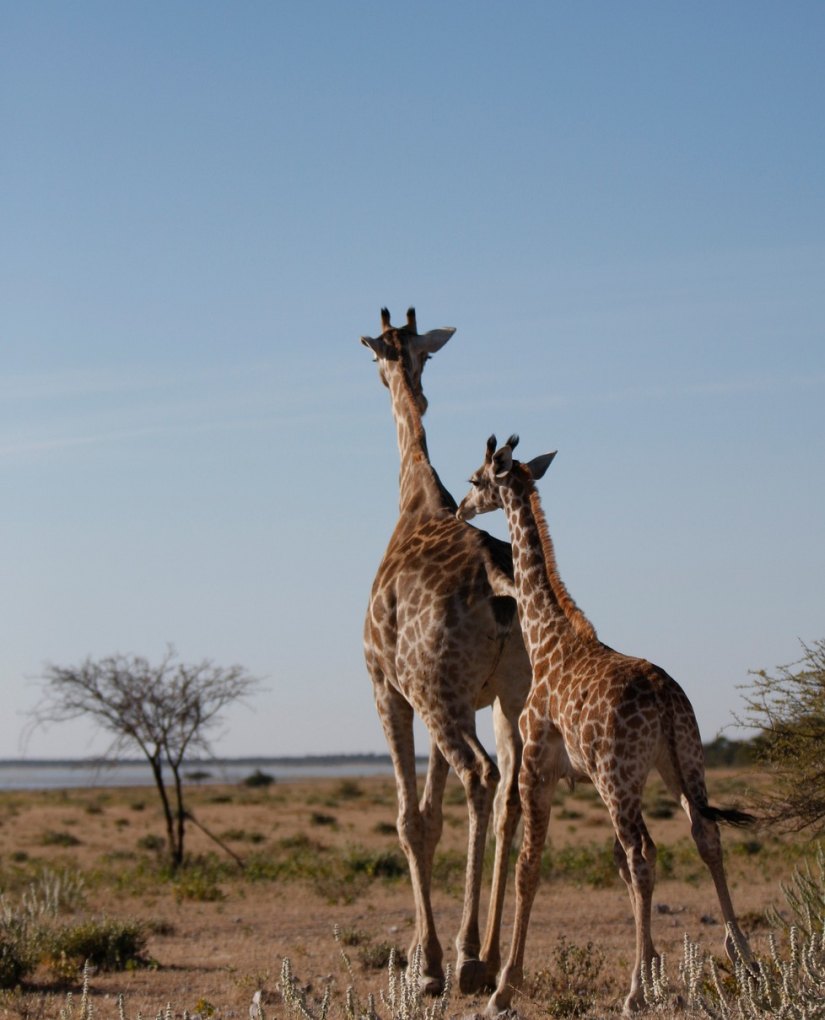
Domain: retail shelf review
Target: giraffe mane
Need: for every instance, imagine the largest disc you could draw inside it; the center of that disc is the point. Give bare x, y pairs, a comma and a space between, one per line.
418, 415
582, 626
421, 456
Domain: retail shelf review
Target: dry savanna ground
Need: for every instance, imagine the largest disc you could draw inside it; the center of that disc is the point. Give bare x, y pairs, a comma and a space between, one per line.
323, 853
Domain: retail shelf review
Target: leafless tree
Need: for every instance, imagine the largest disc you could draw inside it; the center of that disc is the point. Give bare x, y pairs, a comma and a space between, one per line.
165, 710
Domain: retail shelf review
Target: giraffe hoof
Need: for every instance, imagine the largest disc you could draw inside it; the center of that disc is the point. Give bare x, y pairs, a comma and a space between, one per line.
633, 1004
430, 984
498, 1006
472, 976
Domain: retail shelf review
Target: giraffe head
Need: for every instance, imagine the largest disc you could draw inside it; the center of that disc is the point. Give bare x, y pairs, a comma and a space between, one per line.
404, 348
495, 474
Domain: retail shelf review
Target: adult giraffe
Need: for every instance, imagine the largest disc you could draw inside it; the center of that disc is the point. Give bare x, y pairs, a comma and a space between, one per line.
595, 714
441, 639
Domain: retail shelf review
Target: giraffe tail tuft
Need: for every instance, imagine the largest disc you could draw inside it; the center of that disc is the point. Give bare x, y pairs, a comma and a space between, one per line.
741, 819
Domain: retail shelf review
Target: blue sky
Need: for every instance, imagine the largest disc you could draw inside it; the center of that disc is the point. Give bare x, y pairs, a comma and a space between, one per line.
621, 208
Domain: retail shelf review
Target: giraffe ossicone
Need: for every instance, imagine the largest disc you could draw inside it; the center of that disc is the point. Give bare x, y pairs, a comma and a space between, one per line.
593, 713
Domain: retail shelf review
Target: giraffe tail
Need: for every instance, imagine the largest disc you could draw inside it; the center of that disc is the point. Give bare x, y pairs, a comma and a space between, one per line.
741, 819
678, 702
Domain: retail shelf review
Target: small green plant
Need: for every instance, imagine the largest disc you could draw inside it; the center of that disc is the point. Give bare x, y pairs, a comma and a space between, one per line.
242, 836
199, 885
351, 936
569, 987
53, 837
376, 955
319, 818
153, 842
348, 789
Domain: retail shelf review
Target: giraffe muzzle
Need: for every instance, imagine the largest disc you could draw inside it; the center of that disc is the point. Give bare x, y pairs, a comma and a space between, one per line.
465, 513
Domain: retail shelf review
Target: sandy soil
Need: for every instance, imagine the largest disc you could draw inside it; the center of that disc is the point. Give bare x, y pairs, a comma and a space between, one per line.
215, 954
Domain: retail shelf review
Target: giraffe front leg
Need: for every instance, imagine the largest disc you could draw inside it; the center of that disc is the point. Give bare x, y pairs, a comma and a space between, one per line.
506, 815
536, 788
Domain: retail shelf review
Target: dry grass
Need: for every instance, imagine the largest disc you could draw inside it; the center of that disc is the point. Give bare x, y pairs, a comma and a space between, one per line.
324, 853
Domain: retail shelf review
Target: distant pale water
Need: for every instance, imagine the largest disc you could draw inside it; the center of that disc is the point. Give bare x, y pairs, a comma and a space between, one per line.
58, 775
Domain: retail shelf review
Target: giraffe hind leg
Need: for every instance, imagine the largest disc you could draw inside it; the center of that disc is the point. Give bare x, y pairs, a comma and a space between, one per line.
640, 855
706, 836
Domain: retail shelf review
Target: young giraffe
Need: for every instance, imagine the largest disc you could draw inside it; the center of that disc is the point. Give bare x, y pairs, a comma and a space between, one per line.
596, 714
440, 640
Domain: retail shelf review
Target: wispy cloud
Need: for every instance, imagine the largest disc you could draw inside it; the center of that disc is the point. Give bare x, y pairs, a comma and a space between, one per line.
41, 414
28, 387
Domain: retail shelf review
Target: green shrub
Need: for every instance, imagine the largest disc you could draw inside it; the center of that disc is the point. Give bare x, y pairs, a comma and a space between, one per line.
662, 807
588, 864
258, 778
107, 944
197, 883
376, 864
449, 869
17, 954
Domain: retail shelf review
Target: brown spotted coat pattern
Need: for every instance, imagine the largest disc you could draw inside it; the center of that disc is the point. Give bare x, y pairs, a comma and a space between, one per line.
595, 714
441, 639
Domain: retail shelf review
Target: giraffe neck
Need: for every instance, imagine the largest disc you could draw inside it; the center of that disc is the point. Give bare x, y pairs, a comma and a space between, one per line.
420, 488
548, 613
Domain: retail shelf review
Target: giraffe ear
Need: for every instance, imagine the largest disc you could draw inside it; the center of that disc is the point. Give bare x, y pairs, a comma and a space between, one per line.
502, 462
376, 345
433, 341
538, 465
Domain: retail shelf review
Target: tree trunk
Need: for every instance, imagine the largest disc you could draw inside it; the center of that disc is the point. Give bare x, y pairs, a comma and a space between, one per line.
180, 818
175, 853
